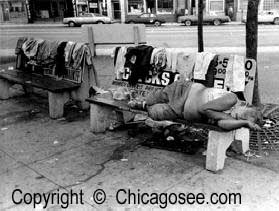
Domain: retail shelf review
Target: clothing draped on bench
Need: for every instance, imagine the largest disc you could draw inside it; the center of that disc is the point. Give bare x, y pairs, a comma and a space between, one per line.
138, 60
57, 56
145, 61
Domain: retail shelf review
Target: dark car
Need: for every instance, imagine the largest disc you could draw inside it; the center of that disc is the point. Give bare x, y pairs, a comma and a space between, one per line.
216, 20
146, 18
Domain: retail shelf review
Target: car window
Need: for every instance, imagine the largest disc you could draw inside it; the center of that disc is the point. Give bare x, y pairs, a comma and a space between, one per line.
86, 15
144, 16
98, 15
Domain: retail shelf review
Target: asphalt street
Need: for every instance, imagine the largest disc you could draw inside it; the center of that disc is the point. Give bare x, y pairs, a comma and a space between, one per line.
178, 36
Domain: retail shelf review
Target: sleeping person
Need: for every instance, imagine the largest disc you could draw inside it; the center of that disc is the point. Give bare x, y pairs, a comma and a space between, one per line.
197, 103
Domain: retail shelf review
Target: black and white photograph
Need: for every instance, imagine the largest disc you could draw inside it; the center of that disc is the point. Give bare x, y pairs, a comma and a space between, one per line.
139, 105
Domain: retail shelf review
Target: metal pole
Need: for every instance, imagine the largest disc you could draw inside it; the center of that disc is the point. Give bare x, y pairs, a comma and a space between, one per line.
252, 42
200, 27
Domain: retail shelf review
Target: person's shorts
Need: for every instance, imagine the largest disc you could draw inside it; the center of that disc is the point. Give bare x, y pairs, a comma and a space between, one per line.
161, 111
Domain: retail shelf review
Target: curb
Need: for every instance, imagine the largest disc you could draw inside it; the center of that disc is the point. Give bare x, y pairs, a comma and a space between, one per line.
45, 25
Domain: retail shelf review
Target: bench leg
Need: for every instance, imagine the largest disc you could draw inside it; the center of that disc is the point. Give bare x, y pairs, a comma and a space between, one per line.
80, 95
83, 91
100, 118
218, 143
28, 89
56, 103
241, 139
4, 89
84, 105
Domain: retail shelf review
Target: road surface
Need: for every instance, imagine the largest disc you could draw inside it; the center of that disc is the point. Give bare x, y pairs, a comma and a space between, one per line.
179, 36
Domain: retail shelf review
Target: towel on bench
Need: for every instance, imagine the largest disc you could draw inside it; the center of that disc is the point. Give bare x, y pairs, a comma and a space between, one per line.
203, 60
235, 75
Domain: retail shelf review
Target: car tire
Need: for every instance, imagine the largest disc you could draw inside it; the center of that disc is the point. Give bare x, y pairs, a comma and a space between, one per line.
131, 22
72, 24
216, 22
188, 23
157, 23
276, 21
100, 22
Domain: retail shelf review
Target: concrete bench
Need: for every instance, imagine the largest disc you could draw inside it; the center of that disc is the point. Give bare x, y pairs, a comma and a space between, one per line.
74, 86
103, 111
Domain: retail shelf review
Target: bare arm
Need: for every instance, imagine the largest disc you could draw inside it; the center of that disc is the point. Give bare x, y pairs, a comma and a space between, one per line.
231, 124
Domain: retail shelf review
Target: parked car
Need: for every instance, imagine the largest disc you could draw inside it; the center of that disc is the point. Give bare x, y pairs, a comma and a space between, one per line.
146, 18
266, 17
87, 18
216, 20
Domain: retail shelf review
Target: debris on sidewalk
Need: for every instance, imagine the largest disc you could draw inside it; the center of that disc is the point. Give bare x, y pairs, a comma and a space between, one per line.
51, 161
124, 159
254, 154
56, 142
140, 117
170, 138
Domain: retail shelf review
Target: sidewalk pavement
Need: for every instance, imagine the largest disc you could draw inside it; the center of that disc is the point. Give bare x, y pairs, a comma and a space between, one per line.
40, 155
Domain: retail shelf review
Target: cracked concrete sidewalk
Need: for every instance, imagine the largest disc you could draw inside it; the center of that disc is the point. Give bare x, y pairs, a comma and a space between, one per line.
38, 154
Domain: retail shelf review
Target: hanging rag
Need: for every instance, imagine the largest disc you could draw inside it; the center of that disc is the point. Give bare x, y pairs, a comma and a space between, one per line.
114, 54
171, 54
60, 69
30, 47
185, 65
120, 62
69, 58
203, 60
81, 58
138, 60
158, 60
77, 56
68, 49
235, 75
47, 51
19, 44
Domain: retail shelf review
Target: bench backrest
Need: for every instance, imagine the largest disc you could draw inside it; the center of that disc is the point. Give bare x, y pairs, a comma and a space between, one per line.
100, 35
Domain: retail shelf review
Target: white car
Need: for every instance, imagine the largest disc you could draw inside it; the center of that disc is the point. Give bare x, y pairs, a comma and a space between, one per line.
266, 17
87, 18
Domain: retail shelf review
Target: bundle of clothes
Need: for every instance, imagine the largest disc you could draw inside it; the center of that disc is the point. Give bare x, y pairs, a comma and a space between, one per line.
54, 55
144, 60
